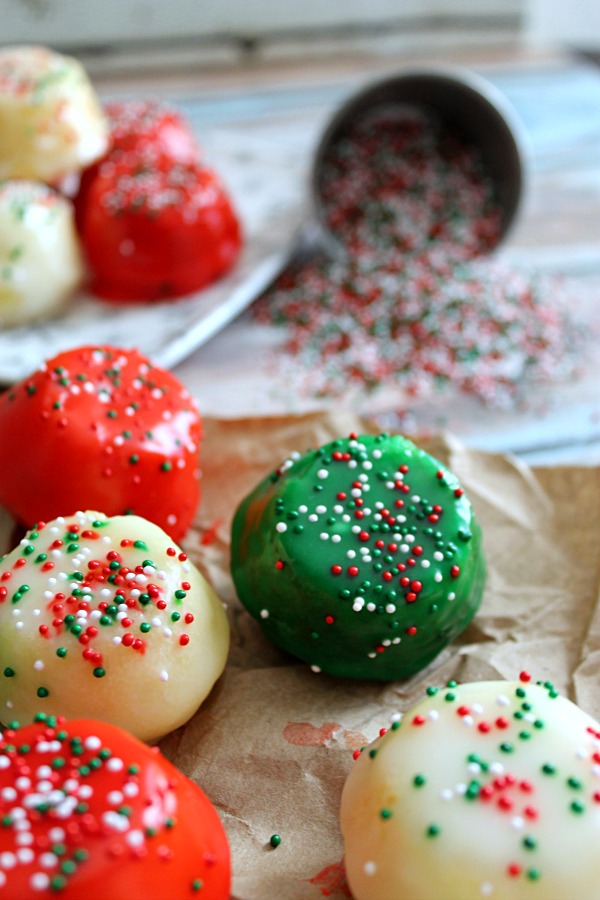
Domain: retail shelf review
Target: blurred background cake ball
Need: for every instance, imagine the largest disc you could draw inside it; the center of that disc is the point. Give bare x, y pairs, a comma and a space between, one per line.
40, 260
51, 123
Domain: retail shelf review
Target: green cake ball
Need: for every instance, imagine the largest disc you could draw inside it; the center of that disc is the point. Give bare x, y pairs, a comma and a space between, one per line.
362, 558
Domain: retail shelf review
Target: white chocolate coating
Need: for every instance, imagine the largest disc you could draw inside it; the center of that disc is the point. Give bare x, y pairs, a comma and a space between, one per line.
40, 259
70, 645
51, 123
464, 800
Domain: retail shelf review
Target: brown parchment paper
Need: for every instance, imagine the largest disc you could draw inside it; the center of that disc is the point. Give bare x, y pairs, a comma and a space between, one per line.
273, 744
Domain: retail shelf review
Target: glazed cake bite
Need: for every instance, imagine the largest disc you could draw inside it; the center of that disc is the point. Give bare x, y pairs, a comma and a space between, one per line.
107, 618
481, 790
40, 258
153, 228
100, 428
51, 122
362, 558
89, 811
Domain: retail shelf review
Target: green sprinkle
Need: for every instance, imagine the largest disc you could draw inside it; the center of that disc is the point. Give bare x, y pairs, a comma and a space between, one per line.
99, 672
433, 830
275, 840
373, 753
419, 780
180, 595
197, 884
145, 627
62, 652
506, 747
432, 691
9, 673
42, 692
534, 874
548, 769
166, 466
140, 545
529, 843
133, 459
577, 806
386, 813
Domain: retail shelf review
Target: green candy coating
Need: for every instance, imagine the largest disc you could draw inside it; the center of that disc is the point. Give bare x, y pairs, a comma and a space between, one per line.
386, 569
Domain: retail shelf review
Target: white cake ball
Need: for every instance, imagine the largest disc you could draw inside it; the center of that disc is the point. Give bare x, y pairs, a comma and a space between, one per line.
40, 259
51, 123
106, 618
489, 789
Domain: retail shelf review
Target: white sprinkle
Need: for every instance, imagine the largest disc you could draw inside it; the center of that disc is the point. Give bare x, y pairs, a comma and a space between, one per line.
264, 613
370, 867
376, 454
324, 536
486, 888
371, 607
336, 538
321, 509
425, 563
38, 665
351, 554
135, 838
438, 577
313, 518
502, 700
451, 596
315, 669
433, 714
303, 508
438, 556
322, 474
517, 822
281, 527
114, 764
390, 608
447, 794
39, 881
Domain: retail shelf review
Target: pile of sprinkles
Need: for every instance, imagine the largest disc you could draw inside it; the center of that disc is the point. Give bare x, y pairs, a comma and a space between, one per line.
416, 304
531, 781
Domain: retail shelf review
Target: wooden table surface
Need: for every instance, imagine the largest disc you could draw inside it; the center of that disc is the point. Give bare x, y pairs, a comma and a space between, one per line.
281, 110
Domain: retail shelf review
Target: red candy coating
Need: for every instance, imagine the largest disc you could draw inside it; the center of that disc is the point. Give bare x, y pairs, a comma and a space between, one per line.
100, 428
89, 811
155, 230
138, 125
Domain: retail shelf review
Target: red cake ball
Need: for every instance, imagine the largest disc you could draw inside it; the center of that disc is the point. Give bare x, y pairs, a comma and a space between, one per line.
146, 124
155, 229
88, 811
100, 428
